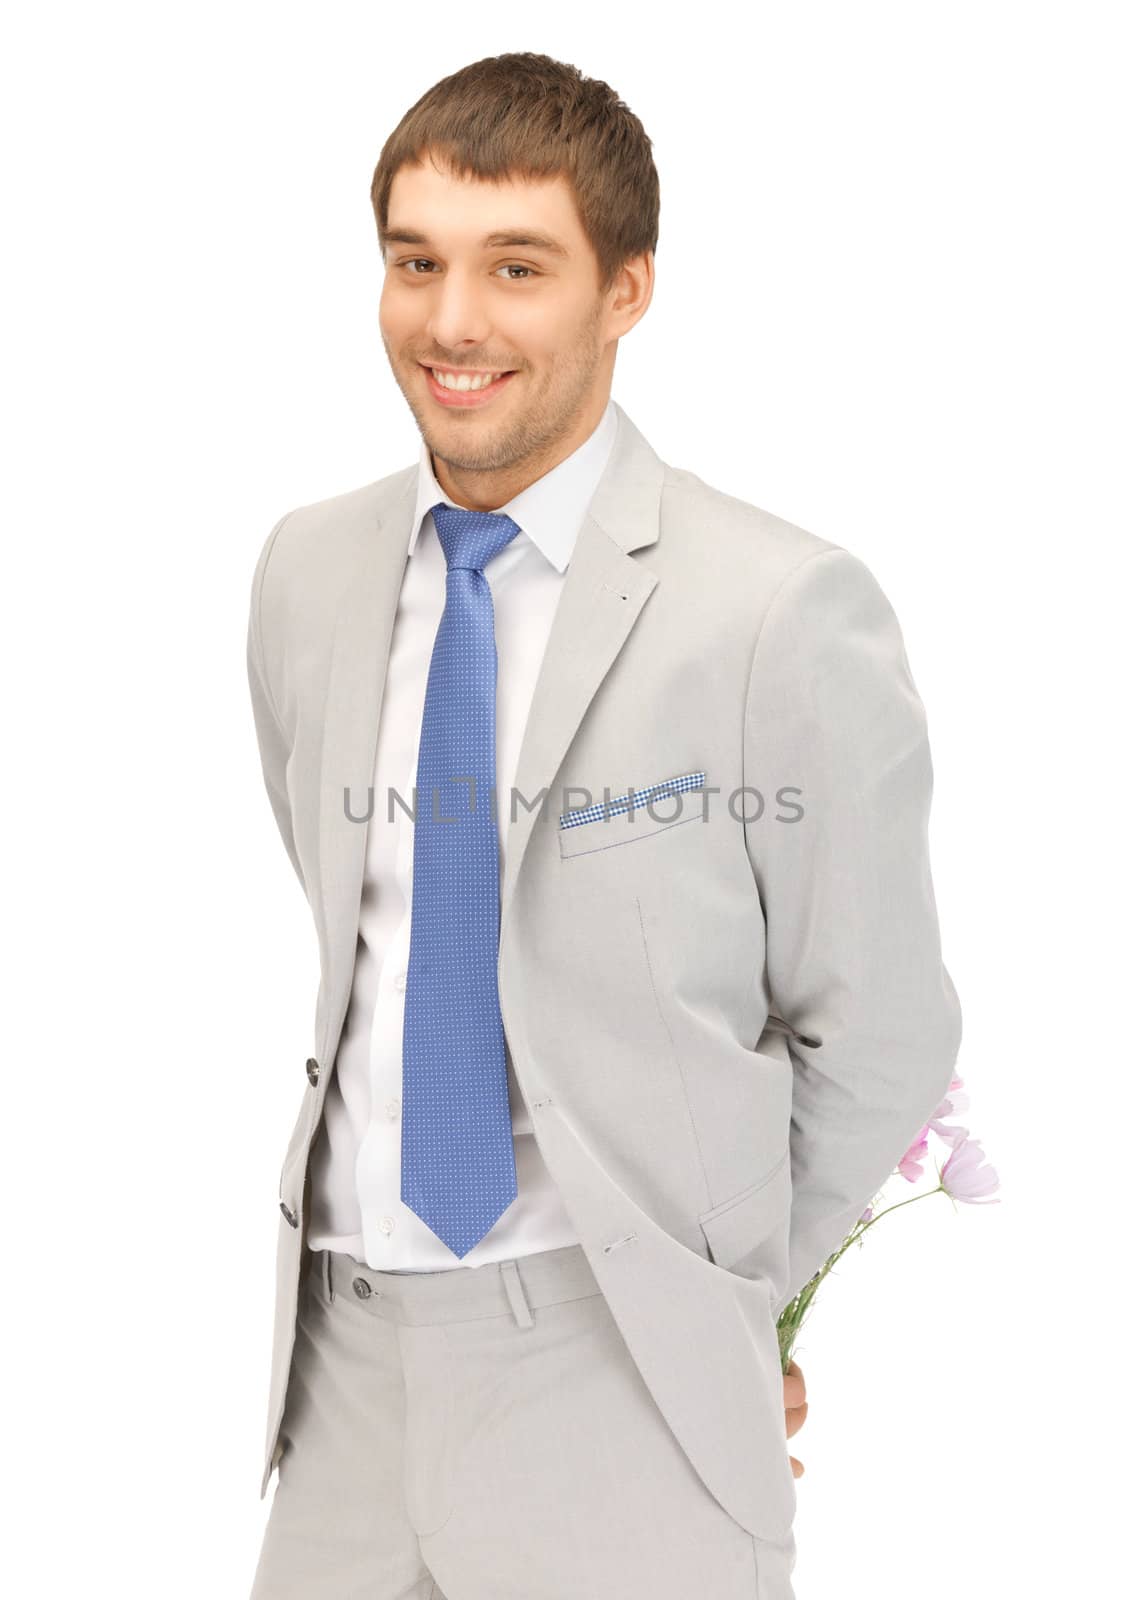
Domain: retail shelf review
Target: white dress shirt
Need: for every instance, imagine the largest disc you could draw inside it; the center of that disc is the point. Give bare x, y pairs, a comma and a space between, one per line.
356, 1205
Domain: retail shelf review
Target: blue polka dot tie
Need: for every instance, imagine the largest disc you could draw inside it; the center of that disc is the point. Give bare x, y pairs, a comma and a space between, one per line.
458, 1155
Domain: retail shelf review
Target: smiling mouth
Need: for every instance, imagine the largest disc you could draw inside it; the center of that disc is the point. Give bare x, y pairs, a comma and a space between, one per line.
465, 388
466, 380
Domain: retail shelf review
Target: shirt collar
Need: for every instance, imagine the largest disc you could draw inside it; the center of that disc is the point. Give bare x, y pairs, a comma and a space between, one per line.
549, 511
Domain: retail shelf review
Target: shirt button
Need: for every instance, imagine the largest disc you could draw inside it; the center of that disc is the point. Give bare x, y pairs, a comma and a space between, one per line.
393, 1109
400, 982
386, 1224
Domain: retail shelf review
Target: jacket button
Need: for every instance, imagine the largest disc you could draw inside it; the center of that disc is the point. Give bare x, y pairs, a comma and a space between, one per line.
361, 1288
313, 1069
290, 1216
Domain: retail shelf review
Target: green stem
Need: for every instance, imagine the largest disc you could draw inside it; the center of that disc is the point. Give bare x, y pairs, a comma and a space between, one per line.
792, 1317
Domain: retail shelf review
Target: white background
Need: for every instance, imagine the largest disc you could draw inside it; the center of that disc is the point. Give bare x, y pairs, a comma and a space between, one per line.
896, 305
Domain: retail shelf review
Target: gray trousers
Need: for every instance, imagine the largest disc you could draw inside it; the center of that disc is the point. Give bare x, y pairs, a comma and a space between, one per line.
484, 1434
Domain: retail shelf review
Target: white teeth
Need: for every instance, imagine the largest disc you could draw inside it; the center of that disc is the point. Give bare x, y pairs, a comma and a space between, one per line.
464, 381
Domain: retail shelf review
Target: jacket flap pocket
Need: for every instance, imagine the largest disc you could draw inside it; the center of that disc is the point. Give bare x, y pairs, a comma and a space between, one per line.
738, 1226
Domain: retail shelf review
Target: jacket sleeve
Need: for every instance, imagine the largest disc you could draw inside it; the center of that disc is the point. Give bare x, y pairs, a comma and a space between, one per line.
273, 743
853, 952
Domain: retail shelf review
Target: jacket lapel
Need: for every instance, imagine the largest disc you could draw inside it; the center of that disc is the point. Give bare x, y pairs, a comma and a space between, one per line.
602, 595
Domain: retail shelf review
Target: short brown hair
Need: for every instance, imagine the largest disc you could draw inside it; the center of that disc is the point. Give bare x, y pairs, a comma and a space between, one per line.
529, 116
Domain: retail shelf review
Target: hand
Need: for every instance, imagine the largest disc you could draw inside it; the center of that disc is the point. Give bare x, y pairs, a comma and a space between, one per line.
795, 1408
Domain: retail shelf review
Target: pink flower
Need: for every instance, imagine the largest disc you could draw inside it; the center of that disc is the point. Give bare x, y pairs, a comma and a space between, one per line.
910, 1167
966, 1175
952, 1106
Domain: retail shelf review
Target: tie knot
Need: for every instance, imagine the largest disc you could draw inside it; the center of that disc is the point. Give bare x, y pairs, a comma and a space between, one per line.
471, 538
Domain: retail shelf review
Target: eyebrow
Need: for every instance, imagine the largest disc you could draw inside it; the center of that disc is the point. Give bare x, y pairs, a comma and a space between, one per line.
516, 238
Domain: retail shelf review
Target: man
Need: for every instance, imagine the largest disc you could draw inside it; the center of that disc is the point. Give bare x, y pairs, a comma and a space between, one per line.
609, 793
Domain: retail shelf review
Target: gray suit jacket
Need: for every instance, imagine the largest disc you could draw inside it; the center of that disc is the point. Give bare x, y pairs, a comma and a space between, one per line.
728, 1013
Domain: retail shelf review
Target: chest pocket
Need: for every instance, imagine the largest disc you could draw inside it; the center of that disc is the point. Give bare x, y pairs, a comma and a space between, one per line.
676, 802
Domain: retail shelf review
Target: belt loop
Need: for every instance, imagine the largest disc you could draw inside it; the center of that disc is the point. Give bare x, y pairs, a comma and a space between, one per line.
328, 1274
515, 1293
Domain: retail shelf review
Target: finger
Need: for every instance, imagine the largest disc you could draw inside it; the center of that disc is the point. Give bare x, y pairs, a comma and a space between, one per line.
797, 1467
794, 1418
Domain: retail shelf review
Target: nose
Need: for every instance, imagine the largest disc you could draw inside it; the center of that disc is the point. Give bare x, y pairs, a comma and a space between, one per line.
458, 319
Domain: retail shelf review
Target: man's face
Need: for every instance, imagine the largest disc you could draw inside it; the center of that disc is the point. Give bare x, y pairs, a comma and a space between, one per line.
452, 300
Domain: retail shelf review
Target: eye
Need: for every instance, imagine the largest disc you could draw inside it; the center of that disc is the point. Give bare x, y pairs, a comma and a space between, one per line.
510, 266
